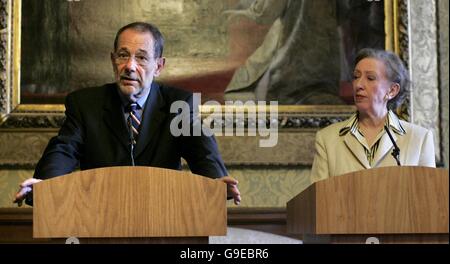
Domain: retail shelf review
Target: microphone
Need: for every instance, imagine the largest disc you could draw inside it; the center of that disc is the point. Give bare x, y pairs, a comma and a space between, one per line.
132, 140
396, 151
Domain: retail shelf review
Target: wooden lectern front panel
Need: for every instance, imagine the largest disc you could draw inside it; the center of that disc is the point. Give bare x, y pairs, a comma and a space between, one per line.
129, 202
388, 200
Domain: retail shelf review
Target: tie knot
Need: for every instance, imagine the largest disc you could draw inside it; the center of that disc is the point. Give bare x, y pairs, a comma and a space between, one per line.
131, 107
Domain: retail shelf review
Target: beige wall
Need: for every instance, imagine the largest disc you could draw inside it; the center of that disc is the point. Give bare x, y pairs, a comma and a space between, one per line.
259, 187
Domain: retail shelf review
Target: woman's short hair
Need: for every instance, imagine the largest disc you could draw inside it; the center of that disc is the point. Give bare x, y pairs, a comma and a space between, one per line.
395, 72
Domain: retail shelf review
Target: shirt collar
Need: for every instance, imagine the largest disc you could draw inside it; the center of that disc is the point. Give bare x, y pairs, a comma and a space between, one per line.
392, 121
141, 101
351, 124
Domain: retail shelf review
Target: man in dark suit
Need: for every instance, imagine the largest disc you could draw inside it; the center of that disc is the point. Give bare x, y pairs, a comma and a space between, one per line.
128, 122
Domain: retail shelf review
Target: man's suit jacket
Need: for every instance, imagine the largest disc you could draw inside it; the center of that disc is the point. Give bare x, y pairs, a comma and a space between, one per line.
94, 134
337, 155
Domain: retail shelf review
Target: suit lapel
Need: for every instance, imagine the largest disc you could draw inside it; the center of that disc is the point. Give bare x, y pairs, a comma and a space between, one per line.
114, 118
384, 147
152, 118
355, 147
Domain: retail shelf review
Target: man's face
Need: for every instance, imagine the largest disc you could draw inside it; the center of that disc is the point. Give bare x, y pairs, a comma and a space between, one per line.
134, 63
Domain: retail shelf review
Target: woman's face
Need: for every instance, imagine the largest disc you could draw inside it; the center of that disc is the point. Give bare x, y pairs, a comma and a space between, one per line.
371, 88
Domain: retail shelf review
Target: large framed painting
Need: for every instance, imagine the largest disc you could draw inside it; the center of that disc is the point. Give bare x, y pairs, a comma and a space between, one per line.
297, 53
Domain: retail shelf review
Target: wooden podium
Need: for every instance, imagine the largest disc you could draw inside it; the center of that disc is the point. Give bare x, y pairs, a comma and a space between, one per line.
388, 204
130, 205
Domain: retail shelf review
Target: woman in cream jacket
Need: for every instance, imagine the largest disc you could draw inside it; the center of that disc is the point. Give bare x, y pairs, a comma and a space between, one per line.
380, 83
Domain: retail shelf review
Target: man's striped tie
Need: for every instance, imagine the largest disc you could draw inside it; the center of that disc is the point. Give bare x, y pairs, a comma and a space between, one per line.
134, 120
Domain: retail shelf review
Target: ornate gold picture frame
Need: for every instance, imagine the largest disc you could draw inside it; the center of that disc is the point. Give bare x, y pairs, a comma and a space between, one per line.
299, 121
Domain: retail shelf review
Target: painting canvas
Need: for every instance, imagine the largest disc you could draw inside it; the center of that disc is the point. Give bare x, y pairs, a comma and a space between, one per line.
295, 52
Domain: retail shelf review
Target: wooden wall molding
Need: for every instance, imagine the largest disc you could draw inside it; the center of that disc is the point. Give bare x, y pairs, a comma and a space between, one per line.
16, 224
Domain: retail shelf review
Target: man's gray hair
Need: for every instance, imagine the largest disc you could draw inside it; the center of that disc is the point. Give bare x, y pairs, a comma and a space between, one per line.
144, 27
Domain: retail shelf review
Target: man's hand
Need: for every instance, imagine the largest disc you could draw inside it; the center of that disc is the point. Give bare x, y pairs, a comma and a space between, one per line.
232, 189
24, 188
